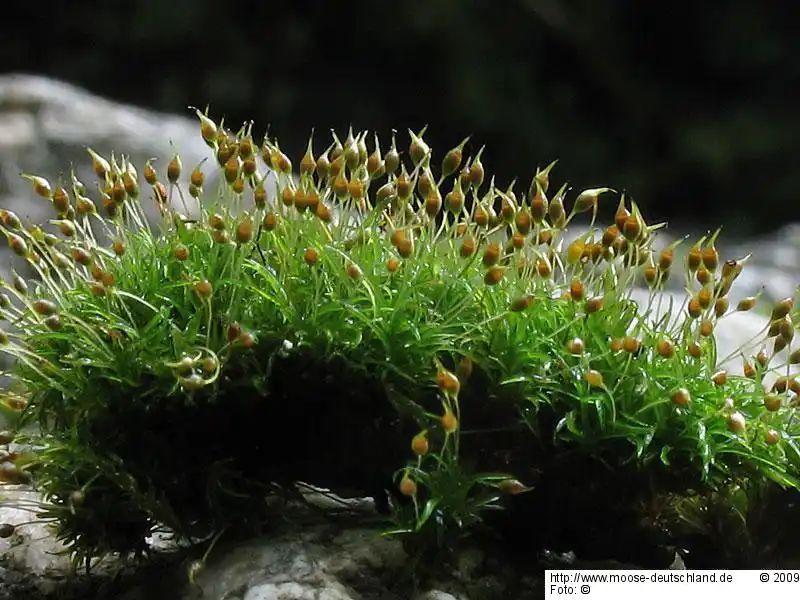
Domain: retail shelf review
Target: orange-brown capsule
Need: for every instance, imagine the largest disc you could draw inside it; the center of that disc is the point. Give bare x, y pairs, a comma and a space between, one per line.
323, 213
710, 257
45, 307
665, 348
181, 252
452, 160
720, 377
631, 345
420, 445
221, 237
354, 271
174, 169
576, 290
539, 206
231, 169
448, 382
543, 267
407, 486
520, 304
53, 322
694, 258
786, 328
476, 171
681, 397
311, 256
616, 344
216, 221
576, 346
61, 200
238, 185
736, 422
621, 215
494, 275
721, 306
81, 256
632, 228
491, 255
244, 230
746, 304
748, 369
517, 241
392, 264
694, 308
794, 357
782, 308
203, 288
706, 327
454, 200
594, 378
762, 358
594, 304
556, 212
449, 422
704, 297
468, 246
771, 437
773, 402
17, 244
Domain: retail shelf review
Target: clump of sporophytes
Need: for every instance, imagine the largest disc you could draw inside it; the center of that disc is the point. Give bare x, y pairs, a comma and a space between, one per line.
396, 264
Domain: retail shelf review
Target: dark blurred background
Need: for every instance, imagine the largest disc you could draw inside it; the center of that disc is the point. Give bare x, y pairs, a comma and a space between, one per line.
688, 106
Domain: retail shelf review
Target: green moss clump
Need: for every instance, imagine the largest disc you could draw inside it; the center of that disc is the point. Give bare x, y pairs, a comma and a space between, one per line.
361, 323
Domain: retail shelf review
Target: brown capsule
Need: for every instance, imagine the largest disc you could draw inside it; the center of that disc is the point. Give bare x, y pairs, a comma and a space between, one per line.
481, 216
518, 240
706, 327
545, 236
61, 200
616, 344
520, 304
159, 193
45, 307
720, 377
307, 164
17, 244
576, 290
771, 437
53, 322
695, 350
476, 171
246, 340
323, 166
747, 303
203, 288
323, 213
575, 251
234, 331
621, 216
781, 384
651, 275
576, 346
283, 163
355, 188
665, 348
392, 265
779, 344
748, 369
786, 328
782, 308
216, 221
694, 258
543, 267
7, 530
494, 275
231, 170
385, 192
174, 169
433, 202
244, 230
454, 200
710, 257
704, 297
703, 275
452, 160
681, 397
311, 256
288, 194
119, 247
539, 206
632, 228
220, 237
491, 255
208, 129
694, 308
736, 422
721, 306
609, 236
392, 159
181, 252
405, 248
594, 304
81, 256
594, 378
354, 272
631, 345
794, 357
762, 358
556, 212
773, 402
